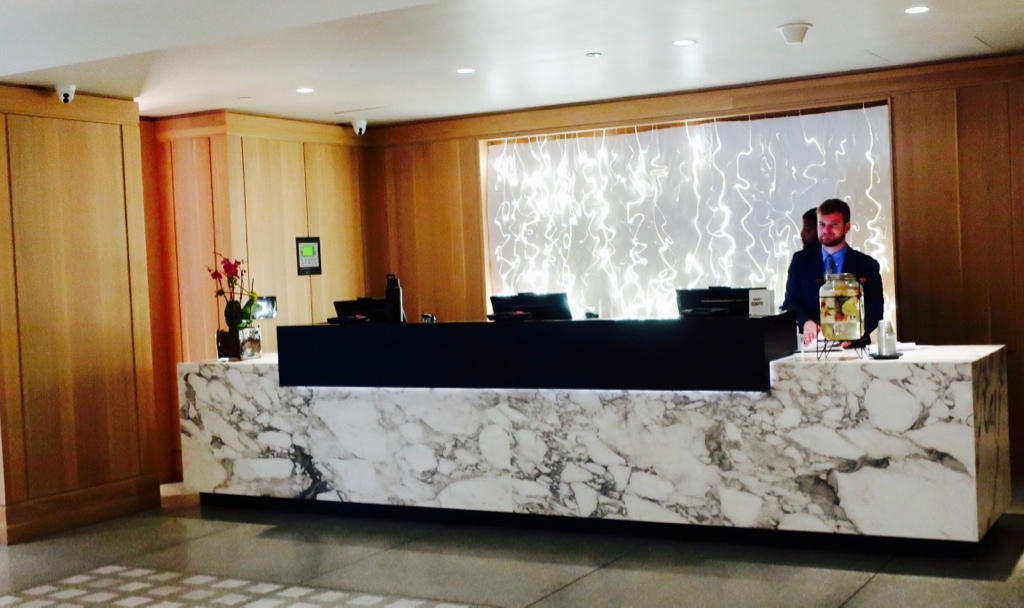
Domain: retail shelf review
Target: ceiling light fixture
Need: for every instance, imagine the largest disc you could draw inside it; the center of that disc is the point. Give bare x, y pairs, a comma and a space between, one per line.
916, 10
594, 55
304, 90
794, 33
685, 42
464, 71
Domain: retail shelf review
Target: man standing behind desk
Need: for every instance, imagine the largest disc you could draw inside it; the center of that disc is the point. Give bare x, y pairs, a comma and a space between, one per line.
809, 266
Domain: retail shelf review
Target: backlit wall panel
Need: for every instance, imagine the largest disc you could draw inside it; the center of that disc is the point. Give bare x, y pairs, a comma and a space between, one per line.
620, 219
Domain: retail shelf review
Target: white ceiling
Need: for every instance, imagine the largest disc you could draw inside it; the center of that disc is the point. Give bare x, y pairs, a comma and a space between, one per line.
390, 61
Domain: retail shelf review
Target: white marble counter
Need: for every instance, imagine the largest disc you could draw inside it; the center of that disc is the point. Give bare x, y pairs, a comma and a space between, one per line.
915, 447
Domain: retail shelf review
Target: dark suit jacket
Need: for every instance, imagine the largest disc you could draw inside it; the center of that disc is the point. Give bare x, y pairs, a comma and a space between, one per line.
807, 274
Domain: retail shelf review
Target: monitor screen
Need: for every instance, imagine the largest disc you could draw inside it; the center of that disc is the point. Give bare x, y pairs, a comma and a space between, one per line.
541, 306
366, 307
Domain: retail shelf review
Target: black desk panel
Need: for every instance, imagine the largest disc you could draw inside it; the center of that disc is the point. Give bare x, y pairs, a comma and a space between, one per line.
727, 353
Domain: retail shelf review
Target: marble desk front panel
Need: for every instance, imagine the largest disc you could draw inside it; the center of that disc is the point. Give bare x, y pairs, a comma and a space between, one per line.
916, 447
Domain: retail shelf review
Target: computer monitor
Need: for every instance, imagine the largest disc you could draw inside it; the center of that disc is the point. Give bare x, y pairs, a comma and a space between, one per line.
364, 307
713, 302
541, 306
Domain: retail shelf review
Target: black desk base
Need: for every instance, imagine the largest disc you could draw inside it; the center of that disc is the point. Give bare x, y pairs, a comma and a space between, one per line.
713, 353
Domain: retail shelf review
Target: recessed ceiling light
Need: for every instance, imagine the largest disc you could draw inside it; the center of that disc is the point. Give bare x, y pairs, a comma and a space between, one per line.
685, 42
594, 55
465, 71
916, 10
304, 90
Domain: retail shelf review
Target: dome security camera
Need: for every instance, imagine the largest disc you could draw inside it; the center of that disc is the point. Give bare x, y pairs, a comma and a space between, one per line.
359, 126
66, 92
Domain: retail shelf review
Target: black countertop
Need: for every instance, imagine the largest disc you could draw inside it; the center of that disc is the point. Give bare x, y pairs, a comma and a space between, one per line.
711, 353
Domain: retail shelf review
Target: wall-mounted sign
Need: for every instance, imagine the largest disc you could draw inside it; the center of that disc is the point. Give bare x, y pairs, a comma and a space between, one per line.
308, 248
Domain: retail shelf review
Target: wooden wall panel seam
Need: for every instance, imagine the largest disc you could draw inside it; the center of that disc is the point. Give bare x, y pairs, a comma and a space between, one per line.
305, 208
243, 175
136, 389
167, 185
218, 245
138, 283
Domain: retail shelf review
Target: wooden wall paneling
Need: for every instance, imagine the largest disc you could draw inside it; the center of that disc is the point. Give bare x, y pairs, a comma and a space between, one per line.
284, 129
119, 368
13, 484
335, 215
380, 247
220, 201
275, 199
1015, 362
148, 429
986, 213
194, 236
78, 368
372, 203
402, 197
41, 103
219, 122
79, 507
49, 408
192, 126
445, 242
236, 183
926, 217
164, 332
474, 223
1015, 105
228, 190
169, 256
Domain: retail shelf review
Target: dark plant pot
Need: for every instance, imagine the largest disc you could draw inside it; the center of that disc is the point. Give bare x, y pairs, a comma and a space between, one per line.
239, 344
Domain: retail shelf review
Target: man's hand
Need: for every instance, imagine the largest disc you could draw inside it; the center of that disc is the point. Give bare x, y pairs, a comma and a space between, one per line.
810, 331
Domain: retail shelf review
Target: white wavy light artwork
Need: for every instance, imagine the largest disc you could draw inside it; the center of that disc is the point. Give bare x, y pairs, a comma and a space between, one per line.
620, 220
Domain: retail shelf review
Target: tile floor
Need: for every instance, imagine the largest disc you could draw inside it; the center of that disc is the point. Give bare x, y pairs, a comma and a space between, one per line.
185, 556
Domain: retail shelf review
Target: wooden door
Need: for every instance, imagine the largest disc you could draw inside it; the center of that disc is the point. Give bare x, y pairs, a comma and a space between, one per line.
74, 302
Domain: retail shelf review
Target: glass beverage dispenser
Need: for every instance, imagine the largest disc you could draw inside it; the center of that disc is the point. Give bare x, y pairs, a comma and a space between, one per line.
842, 307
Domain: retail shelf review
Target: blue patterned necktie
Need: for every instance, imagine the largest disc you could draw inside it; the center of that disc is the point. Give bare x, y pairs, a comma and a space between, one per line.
830, 264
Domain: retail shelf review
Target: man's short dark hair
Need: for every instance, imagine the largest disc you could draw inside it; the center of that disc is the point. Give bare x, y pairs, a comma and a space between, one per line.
811, 215
834, 205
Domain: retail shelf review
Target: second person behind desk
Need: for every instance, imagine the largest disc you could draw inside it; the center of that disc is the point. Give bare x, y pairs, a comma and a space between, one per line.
539, 307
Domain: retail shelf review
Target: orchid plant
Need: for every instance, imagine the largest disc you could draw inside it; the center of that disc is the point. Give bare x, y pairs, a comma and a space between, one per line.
231, 286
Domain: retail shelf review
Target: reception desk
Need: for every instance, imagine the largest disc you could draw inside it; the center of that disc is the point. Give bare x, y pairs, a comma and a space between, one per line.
915, 447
